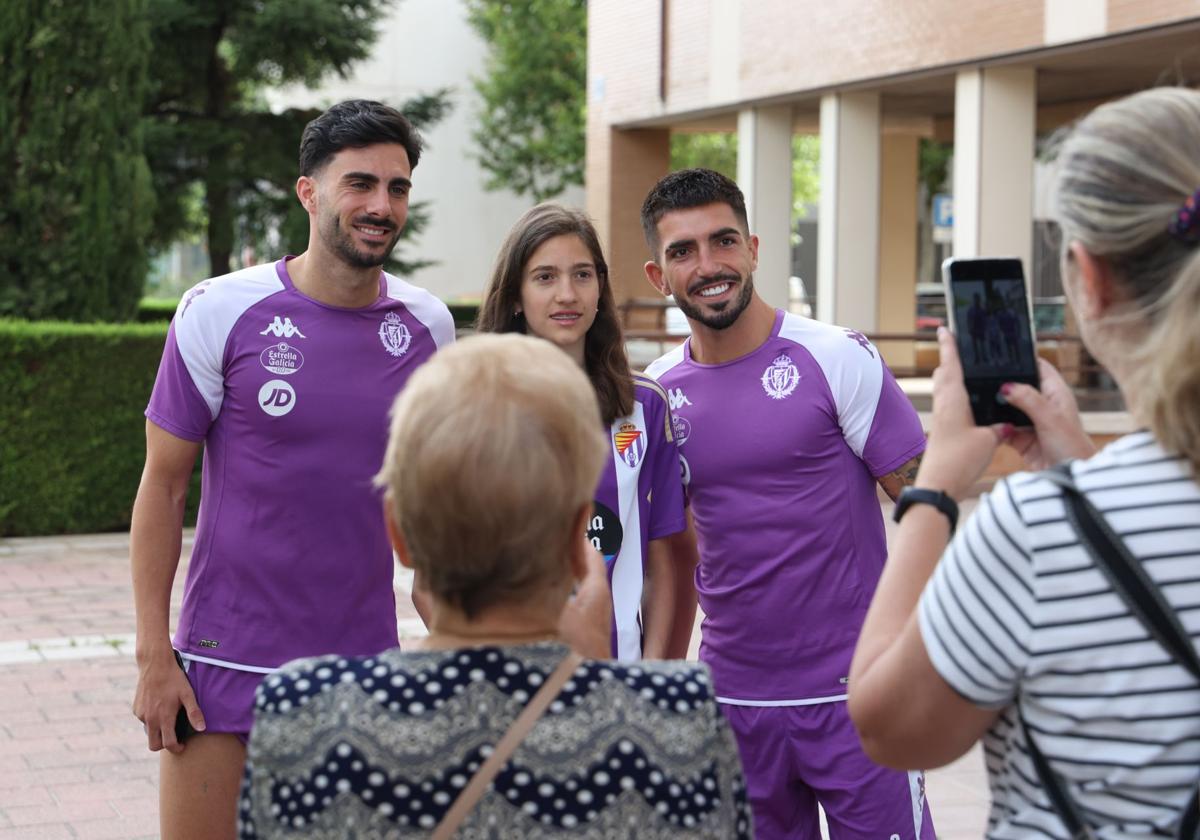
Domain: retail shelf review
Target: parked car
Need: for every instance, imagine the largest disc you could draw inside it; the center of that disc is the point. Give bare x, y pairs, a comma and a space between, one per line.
931, 307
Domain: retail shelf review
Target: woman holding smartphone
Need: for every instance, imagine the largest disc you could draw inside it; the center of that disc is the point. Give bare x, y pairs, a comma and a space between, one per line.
1008, 630
550, 280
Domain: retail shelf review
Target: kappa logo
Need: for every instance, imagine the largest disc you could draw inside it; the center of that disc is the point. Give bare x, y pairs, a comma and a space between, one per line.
780, 377
192, 295
862, 341
676, 399
276, 397
394, 335
283, 328
630, 443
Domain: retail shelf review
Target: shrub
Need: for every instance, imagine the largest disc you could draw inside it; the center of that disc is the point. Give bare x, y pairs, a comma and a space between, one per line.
156, 310
72, 439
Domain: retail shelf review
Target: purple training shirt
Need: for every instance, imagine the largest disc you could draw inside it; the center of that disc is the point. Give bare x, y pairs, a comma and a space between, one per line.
290, 397
781, 449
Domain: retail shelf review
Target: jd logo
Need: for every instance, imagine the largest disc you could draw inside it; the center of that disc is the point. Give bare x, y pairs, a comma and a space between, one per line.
276, 397
676, 398
283, 328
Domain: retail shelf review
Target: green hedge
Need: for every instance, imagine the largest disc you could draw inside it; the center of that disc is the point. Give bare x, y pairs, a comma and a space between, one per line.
72, 432
156, 310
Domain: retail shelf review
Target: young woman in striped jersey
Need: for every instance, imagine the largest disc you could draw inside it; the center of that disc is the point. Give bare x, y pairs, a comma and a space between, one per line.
1016, 611
551, 280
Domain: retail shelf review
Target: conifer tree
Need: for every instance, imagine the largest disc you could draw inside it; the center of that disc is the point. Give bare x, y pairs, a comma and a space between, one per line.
208, 125
75, 198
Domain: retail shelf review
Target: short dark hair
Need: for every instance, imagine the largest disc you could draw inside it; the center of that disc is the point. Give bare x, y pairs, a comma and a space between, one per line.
685, 189
354, 124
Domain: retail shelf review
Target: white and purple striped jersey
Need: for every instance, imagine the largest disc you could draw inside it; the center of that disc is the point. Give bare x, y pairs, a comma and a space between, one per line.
781, 449
290, 397
639, 499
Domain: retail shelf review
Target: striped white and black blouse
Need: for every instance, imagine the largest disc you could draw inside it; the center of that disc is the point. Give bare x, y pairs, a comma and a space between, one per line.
1017, 611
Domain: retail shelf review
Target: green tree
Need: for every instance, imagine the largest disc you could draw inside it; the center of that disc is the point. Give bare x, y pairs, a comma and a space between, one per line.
207, 123
75, 198
717, 150
531, 128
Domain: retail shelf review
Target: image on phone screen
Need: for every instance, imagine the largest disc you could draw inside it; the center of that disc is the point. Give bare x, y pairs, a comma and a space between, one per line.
989, 310
994, 336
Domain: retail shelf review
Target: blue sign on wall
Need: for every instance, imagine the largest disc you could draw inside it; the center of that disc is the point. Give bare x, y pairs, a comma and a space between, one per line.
943, 210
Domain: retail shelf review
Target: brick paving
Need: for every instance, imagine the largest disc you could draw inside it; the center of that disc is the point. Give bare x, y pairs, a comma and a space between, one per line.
73, 760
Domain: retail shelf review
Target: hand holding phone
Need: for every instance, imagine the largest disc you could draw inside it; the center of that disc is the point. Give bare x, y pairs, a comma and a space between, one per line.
988, 306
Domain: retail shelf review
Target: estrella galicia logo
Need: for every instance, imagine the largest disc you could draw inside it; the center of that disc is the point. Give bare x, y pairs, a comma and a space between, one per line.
780, 377
394, 334
630, 443
283, 328
282, 358
681, 429
276, 397
604, 532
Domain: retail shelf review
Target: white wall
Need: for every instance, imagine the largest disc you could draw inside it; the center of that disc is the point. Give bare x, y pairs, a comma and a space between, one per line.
425, 45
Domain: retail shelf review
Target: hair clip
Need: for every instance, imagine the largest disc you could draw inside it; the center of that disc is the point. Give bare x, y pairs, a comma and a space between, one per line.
1186, 224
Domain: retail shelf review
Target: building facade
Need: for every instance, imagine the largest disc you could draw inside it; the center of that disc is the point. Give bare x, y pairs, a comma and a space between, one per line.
871, 77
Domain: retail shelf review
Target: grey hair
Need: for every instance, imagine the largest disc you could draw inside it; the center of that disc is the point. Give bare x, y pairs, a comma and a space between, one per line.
1124, 173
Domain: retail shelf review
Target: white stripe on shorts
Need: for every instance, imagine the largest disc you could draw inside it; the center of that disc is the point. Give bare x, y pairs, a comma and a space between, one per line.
222, 663
810, 701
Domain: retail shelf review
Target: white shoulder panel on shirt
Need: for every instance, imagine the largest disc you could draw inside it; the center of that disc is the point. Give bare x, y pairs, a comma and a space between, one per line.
852, 368
206, 316
425, 306
664, 363
641, 380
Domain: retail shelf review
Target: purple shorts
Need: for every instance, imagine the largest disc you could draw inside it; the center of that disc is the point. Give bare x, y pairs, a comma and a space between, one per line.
797, 756
225, 696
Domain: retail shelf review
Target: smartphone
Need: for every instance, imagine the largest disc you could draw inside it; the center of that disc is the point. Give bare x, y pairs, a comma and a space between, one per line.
988, 305
183, 724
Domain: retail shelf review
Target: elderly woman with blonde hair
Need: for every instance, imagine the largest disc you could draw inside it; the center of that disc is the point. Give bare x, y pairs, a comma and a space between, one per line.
492, 726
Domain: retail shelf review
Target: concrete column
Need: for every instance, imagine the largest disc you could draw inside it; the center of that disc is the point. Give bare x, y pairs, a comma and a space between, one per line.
995, 112
898, 245
765, 176
848, 235
620, 173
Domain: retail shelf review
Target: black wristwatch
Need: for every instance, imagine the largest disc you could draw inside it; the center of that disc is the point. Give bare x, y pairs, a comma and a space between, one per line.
910, 496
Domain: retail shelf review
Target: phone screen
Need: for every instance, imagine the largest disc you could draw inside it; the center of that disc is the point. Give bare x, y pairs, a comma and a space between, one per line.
989, 310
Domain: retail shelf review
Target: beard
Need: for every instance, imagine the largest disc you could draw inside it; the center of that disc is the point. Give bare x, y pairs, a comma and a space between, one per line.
721, 315
341, 242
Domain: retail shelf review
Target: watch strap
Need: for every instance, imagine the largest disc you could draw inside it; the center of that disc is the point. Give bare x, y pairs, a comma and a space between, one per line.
910, 496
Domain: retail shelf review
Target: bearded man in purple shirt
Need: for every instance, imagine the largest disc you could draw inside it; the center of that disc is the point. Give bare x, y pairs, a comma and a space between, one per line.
785, 425
285, 373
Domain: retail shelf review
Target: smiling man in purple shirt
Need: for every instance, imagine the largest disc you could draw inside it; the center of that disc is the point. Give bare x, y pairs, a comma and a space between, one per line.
785, 426
285, 374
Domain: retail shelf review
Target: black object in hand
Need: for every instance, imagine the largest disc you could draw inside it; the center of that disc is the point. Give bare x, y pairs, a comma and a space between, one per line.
183, 725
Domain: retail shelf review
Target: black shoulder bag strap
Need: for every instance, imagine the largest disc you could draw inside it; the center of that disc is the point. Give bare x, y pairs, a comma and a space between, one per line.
1145, 601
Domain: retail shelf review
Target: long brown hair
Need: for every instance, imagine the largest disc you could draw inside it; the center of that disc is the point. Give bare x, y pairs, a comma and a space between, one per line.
604, 358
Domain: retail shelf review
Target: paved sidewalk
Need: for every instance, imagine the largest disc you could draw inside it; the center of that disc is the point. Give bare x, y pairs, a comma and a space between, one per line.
73, 760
